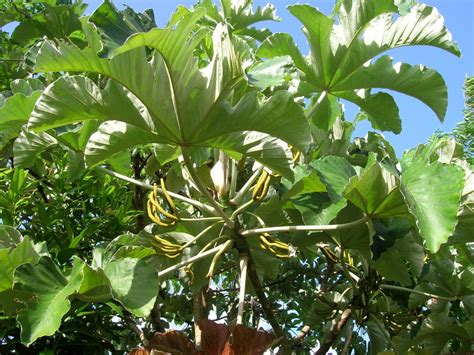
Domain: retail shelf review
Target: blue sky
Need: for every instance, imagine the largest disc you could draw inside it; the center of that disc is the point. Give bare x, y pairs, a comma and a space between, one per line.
419, 122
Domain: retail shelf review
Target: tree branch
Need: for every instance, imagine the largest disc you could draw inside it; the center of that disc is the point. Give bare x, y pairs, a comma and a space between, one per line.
133, 326
334, 334
189, 261
305, 228
303, 332
244, 260
138, 193
410, 290
149, 187
267, 309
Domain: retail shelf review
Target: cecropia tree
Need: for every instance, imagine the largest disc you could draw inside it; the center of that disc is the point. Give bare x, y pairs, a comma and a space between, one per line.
204, 177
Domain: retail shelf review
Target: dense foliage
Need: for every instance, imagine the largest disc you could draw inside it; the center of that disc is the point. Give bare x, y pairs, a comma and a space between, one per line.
155, 178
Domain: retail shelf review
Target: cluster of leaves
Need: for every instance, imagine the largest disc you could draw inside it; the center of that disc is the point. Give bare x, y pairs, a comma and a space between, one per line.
376, 245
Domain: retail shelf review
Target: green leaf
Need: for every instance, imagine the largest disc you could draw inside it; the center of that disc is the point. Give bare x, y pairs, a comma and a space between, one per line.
427, 85
193, 108
51, 290
26, 86
116, 26
379, 335
327, 112
113, 137
273, 72
281, 45
56, 22
72, 99
433, 193
367, 28
95, 285
9, 237
306, 181
377, 193
318, 28
335, 172
423, 25
18, 107
437, 330
391, 265
24, 252
134, 283
29, 146
381, 109
241, 14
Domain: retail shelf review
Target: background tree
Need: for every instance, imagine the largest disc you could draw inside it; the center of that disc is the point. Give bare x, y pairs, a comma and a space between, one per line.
162, 177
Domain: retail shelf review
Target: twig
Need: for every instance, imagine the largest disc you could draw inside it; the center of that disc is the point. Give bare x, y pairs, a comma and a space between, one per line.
133, 326
189, 261
303, 332
189, 165
240, 209
233, 178
243, 278
150, 187
203, 232
139, 194
267, 309
333, 335
240, 195
348, 342
410, 290
305, 228
197, 309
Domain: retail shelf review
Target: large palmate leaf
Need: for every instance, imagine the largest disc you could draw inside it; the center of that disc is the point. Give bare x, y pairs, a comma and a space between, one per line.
339, 53
433, 194
50, 291
174, 100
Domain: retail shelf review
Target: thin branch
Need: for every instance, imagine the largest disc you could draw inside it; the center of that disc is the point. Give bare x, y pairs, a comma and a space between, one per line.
203, 190
243, 191
334, 334
186, 262
305, 228
233, 177
303, 332
203, 219
267, 309
240, 209
198, 317
410, 290
150, 187
133, 326
348, 342
243, 278
203, 232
